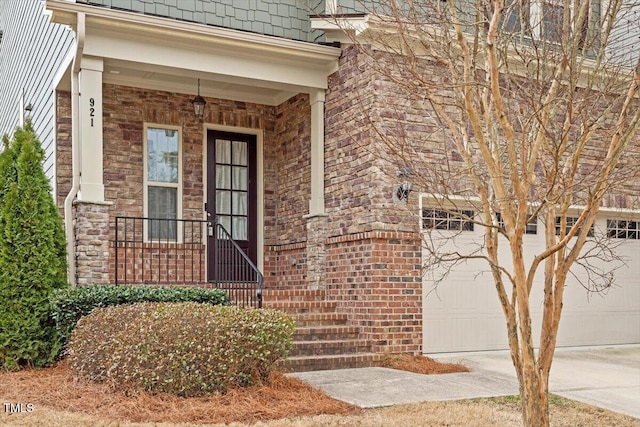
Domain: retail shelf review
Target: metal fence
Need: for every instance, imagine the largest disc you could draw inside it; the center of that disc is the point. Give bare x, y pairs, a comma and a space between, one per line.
184, 252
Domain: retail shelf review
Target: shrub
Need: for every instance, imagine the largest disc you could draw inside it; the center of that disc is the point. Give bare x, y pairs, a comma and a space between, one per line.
187, 349
32, 254
69, 305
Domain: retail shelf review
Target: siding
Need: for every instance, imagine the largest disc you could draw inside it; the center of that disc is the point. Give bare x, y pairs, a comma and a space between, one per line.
282, 18
625, 38
31, 52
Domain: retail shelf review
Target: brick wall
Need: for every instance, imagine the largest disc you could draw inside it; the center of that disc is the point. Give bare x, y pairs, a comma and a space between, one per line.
376, 278
373, 255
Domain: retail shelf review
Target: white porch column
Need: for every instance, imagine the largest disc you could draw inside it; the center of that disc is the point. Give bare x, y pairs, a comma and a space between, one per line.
316, 203
91, 178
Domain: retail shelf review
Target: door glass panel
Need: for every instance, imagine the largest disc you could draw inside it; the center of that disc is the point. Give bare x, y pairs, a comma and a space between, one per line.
239, 203
223, 151
240, 178
239, 228
239, 153
223, 202
223, 177
225, 221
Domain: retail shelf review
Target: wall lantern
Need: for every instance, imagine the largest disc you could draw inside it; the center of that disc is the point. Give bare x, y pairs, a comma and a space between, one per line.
403, 190
198, 104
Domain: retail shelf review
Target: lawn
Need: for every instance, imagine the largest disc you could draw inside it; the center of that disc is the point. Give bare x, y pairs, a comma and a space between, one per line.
59, 400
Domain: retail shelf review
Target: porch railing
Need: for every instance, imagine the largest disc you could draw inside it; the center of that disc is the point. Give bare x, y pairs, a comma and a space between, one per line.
179, 251
234, 271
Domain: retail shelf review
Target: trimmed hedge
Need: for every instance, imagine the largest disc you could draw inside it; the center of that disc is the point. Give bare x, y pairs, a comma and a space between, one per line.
187, 349
69, 305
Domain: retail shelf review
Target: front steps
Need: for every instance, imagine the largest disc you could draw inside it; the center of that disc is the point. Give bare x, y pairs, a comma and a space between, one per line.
323, 339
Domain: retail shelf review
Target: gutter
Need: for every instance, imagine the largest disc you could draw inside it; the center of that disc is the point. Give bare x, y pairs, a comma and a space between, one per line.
75, 149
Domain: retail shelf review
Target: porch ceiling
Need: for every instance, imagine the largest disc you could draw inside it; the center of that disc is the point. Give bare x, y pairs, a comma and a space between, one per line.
144, 76
158, 53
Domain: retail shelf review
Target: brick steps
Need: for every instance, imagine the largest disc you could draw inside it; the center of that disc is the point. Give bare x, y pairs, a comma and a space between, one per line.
323, 339
320, 319
330, 347
326, 362
301, 307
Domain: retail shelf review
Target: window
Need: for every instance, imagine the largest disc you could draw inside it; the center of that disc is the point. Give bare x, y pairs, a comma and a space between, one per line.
531, 228
545, 18
571, 221
552, 16
623, 229
163, 181
447, 220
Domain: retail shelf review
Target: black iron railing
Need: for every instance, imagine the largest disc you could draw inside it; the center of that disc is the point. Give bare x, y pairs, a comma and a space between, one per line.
184, 252
234, 271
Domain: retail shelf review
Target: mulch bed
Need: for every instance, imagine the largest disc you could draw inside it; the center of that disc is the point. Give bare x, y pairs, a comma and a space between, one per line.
283, 397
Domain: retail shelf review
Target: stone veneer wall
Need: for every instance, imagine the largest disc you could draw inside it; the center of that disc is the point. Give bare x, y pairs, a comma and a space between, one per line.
373, 253
91, 227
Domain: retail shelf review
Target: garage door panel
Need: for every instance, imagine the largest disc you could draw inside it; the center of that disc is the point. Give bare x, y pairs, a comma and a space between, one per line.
443, 334
464, 314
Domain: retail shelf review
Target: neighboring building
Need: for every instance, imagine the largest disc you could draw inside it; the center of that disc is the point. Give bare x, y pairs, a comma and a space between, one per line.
273, 158
32, 51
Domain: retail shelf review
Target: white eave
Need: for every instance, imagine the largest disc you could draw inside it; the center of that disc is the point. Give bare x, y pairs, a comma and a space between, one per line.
162, 53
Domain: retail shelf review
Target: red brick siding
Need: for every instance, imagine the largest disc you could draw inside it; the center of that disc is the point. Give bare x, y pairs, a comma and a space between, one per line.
376, 279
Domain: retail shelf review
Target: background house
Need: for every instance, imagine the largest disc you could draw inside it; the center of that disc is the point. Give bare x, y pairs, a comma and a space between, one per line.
281, 157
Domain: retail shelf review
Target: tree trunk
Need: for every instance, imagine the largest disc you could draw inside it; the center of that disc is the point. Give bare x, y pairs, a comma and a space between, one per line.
535, 400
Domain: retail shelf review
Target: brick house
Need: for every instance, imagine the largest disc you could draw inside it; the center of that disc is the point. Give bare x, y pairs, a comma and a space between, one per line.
279, 157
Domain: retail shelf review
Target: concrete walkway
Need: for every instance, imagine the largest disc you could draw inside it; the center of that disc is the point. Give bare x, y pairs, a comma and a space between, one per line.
605, 377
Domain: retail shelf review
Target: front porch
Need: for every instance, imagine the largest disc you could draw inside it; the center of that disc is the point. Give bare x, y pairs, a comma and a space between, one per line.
131, 79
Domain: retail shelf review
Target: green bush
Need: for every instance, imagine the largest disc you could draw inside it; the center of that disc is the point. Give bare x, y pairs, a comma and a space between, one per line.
69, 305
32, 254
187, 349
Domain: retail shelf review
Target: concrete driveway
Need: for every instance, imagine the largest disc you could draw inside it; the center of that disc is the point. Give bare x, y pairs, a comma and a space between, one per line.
605, 377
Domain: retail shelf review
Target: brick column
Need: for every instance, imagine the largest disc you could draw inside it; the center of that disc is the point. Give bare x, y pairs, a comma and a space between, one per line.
316, 252
91, 228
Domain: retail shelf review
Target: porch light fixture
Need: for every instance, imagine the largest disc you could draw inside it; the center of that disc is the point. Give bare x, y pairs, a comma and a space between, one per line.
403, 190
198, 104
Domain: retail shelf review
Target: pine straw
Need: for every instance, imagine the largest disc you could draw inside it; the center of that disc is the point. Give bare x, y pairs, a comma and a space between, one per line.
56, 388
420, 364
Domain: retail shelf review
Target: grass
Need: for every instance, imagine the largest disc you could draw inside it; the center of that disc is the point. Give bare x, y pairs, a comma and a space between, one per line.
59, 400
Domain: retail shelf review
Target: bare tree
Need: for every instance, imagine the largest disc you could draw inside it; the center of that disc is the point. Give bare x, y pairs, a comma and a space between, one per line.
519, 110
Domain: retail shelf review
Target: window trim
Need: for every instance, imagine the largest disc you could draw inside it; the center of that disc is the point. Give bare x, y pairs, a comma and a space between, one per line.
529, 228
146, 183
571, 220
627, 230
536, 21
451, 218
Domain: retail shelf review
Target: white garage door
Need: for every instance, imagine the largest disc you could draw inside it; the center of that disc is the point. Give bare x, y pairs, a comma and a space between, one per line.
463, 312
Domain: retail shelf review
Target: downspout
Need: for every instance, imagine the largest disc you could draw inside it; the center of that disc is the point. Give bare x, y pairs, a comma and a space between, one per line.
75, 149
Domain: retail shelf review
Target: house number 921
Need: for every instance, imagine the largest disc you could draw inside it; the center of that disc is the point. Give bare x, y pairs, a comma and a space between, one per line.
92, 110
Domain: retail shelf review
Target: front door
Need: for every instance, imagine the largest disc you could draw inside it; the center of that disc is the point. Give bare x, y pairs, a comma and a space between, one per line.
232, 194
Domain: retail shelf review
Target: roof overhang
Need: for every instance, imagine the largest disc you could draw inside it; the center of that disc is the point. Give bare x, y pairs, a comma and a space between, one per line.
160, 53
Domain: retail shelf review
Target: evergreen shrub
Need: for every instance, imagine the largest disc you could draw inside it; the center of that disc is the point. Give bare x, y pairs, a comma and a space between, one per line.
70, 304
32, 254
187, 349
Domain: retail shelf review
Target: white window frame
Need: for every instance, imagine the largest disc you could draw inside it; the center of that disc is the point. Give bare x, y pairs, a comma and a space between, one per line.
146, 183
536, 21
613, 226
